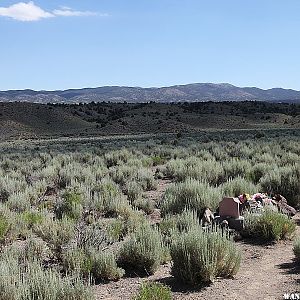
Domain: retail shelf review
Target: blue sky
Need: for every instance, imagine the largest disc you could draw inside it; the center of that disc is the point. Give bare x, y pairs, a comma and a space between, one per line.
61, 44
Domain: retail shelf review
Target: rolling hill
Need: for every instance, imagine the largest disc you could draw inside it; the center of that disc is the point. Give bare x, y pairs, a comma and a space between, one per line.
197, 92
19, 120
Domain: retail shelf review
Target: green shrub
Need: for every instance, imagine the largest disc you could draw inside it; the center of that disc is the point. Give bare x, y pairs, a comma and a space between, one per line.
199, 257
237, 186
101, 265
146, 179
12, 225
190, 194
133, 190
104, 266
114, 158
32, 250
35, 249
32, 217
92, 236
179, 223
108, 199
218, 151
76, 259
143, 252
144, 204
19, 228
153, 291
122, 174
107, 188
157, 160
270, 225
126, 223
116, 229
284, 181
56, 233
18, 202
4, 228
235, 168
70, 206
256, 172
209, 171
32, 281
271, 182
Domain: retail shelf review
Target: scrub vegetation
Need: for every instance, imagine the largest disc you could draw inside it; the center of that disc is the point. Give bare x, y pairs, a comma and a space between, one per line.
77, 213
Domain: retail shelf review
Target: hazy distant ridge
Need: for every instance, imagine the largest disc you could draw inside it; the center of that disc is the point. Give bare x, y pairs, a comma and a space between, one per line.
178, 93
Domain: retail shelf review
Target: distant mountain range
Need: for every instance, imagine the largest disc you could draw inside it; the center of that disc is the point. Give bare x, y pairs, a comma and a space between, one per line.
196, 92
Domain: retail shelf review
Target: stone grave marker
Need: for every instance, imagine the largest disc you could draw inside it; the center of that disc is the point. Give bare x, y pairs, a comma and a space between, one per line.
230, 207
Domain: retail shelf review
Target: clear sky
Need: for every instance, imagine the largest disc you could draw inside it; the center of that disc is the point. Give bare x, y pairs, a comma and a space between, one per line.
62, 44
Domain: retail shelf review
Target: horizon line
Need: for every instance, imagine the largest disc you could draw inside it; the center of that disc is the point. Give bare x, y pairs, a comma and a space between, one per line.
143, 87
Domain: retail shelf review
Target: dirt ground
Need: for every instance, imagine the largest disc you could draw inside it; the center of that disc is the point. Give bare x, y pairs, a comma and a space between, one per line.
267, 272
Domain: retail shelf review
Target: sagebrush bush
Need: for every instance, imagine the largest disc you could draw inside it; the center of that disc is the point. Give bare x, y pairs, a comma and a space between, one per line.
99, 264
257, 171
76, 259
235, 167
117, 157
18, 202
133, 190
133, 219
210, 171
117, 229
146, 179
122, 174
125, 224
12, 225
157, 160
107, 198
4, 228
104, 266
199, 257
190, 194
268, 226
56, 233
237, 186
143, 252
32, 218
31, 281
32, 249
144, 204
35, 249
284, 181
92, 236
69, 206
153, 291
174, 224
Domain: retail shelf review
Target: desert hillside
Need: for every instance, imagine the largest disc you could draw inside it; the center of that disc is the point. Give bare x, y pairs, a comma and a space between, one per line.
32, 120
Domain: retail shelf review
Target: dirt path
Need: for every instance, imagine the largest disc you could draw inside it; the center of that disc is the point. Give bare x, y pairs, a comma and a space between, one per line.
155, 196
